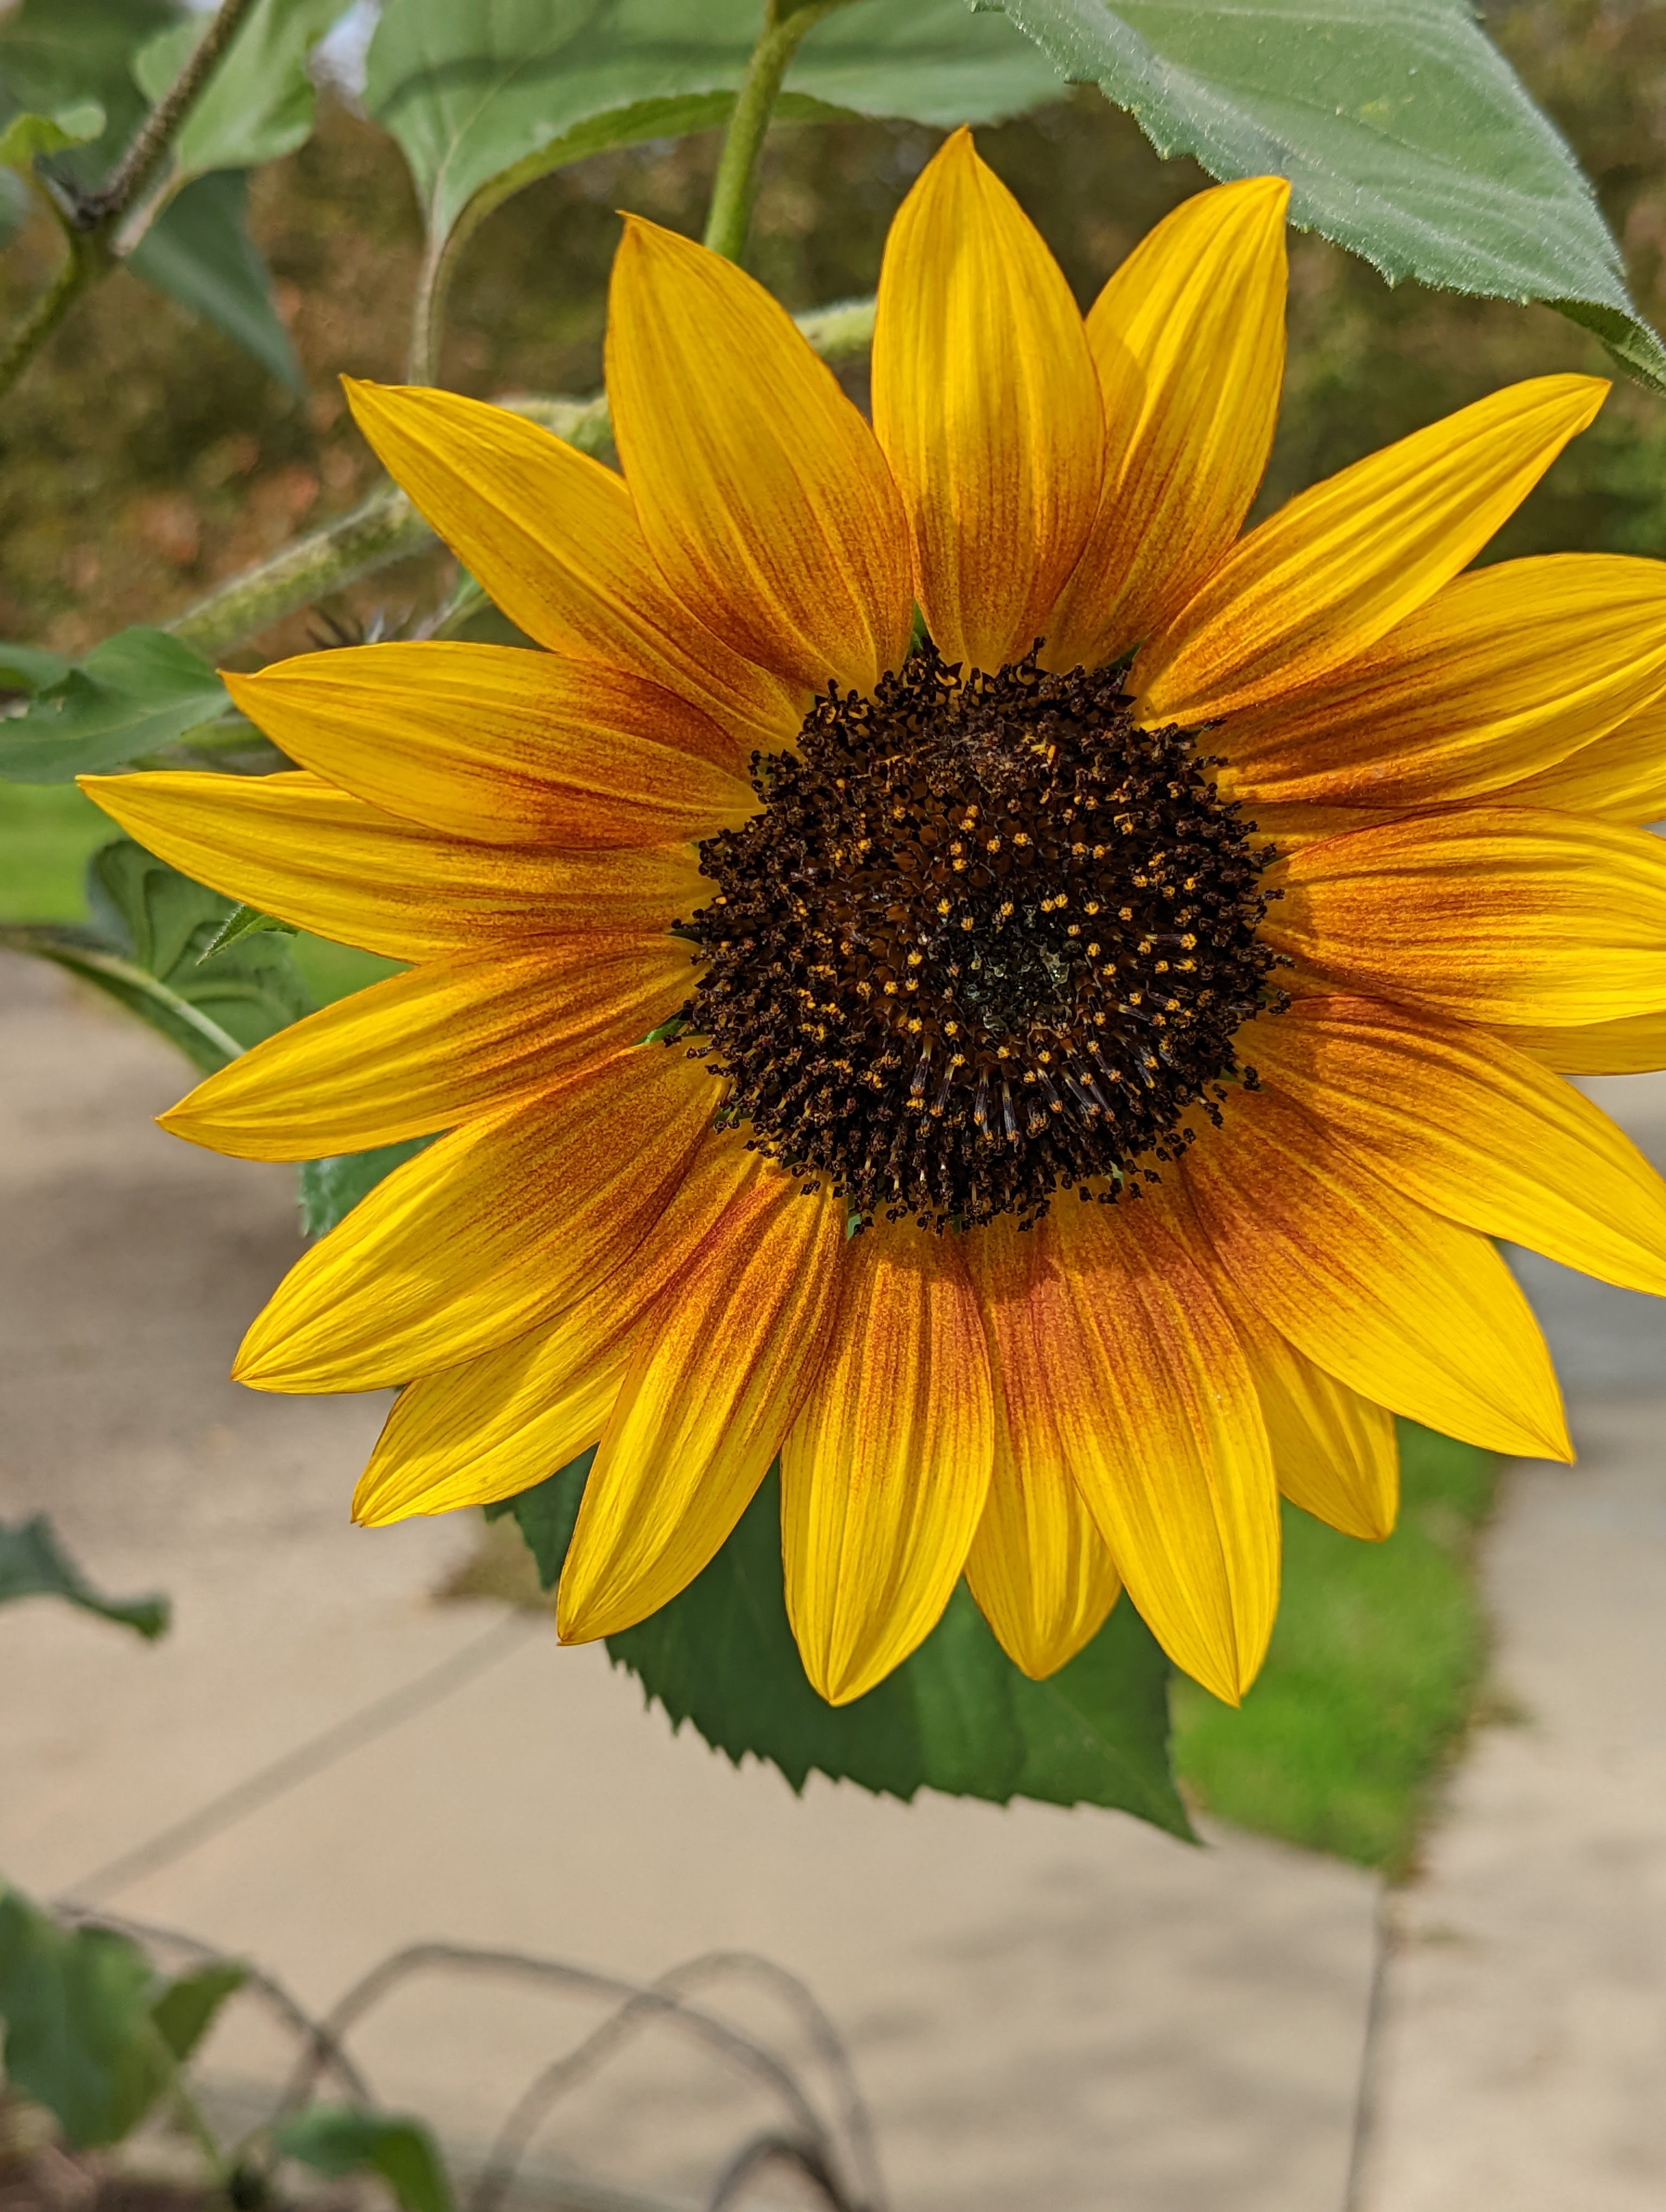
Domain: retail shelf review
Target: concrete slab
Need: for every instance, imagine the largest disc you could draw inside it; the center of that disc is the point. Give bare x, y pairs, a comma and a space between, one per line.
1525, 2040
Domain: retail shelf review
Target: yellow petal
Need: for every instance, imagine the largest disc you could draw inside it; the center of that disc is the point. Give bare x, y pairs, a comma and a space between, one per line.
441, 1044
510, 747
716, 1380
1163, 1431
1475, 1131
1038, 1566
296, 846
884, 1475
1636, 1046
987, 403
1493, 914
1502, 672
497, 1227
1338, 566
1412, 1311
553, 537
497, 1424
757, 485
1187, 337
1334, 1454
1621, 776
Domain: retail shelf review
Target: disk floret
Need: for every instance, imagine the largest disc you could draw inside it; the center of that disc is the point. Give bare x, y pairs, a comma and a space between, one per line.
986, 941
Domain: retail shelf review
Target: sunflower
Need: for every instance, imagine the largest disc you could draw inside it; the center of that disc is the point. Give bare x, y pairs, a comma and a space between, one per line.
1046, 1068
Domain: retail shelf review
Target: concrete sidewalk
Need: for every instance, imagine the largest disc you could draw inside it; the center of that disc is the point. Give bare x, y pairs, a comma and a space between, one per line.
1047, 2009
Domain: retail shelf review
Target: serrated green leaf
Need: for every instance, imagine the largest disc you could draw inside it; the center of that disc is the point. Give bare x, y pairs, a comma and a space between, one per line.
330, 1188
184, 2011
34, 1564
482, 101
259, 104
199, 253
1405, 135
27, 135
80, 2038
243, 921
133, 693
957, 1716
334, 2139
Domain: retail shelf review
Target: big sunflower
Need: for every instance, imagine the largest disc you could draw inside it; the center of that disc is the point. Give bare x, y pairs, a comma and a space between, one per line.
1049, 1071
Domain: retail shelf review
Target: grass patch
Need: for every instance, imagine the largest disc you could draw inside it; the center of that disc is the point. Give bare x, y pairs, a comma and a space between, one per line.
1372, 1676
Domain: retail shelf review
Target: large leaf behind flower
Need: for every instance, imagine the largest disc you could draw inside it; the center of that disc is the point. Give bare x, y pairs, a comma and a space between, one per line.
957, 1717
1405, 134
484, 98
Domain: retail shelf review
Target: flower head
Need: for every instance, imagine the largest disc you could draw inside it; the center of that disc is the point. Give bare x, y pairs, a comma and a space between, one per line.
1053, 1078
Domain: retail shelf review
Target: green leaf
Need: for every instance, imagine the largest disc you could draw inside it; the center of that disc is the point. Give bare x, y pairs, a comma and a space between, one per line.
199, 251
80, 2038
483, 100
26, 134
61, 53
1405, 135
957, 1716
243, 921
33, 1564
332, 1188
29, 667
134, 693
184, 2011
259, 104
334, 2139
147, 947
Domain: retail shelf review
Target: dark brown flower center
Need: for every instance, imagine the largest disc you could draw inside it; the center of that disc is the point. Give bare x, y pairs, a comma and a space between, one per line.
987, 941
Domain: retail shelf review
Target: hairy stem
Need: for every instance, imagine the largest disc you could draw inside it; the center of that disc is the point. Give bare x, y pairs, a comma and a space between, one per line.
736, 189
150, 141
386, 527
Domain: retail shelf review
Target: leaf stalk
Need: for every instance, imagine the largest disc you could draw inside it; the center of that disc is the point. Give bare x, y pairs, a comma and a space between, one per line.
734, 194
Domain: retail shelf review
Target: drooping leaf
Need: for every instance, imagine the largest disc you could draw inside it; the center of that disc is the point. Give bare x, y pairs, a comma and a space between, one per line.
147, 947
332, 1188
133, 693
957, 1717
334, 2139
34, 1564
1405, 134
184, 2011
27, 135
483, 100
199, 251
259, 104
80, 2038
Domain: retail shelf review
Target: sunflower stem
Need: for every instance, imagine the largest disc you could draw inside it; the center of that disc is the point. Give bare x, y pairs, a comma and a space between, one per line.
735, 191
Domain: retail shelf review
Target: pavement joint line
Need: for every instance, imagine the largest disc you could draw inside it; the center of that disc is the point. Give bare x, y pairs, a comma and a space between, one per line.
271, 1782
